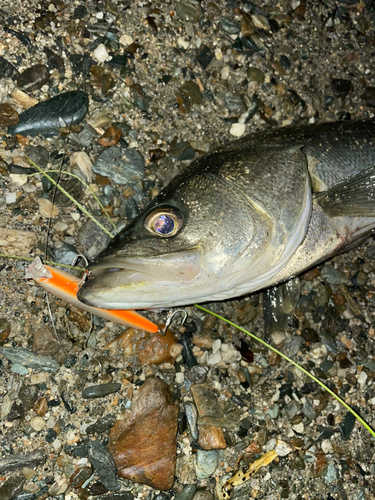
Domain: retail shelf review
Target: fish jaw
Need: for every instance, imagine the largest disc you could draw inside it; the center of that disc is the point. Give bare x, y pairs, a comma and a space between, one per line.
139, 282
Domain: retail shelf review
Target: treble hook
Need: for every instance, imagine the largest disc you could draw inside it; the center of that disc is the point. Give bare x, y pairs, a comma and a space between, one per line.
171, 313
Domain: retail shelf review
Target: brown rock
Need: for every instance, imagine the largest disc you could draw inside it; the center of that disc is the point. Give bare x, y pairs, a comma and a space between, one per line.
46, 343
4, 330
8, 116
311, 275
17, 242
150, 348
144, 444
41, 407
211, 438
110, 137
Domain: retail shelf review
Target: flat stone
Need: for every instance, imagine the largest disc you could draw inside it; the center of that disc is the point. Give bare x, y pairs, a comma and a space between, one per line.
20, 460
144, 444
33, 78
101, 390
45, 118
103, 463
18, 242
333, 276
11, 487
121, 165
92, 239
211, 438
47, 209
29, 359
7, 70
187, 493
149, 348
210, 411
82, 160
206, 463
8, 116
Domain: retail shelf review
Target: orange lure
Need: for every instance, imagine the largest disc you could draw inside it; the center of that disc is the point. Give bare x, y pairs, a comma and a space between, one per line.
65, 286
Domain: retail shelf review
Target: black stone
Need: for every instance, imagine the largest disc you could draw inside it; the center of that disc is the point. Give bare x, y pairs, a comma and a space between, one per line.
51, 436
44, 118
204, 56
285, 62
347, 425
80, 12
99, 391
54, 60
104, 464
20, 460
33, 78
187, 353
7, 70
341, 87
118, 61
101, 425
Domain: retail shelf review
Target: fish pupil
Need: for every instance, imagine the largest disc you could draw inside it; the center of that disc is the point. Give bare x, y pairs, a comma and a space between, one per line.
164, 224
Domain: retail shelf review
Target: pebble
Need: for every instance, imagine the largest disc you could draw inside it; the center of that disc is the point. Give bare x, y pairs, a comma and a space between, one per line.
187, 493
110, 137
82, 160
33, 78
187, 95
187, 353
237, 129
229, 26
192, 419
101, 54
92, 240
149, 348
341, 87
211, 438
104, 464
121, 165
18, 242
44, 118
362, 379
85, 137
8, 116
29, 359
333, 276
188, 10
144, 445
331, 474
347, 425
229, 354
47, 209
11, 487
37, 423
100, 391
206, 463
7, 70
18, 461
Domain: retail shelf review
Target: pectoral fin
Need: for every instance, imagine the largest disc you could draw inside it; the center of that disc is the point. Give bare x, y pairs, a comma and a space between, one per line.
352, 197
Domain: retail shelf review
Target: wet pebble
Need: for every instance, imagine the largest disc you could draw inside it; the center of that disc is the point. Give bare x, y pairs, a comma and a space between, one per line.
187, 95
206, 463
44, 118
341, 87
188, 10
8, 116
7, 70
211, 437
121, 165
33, 78
110, 137
29, 359
187, 493
104, 464
144, 444
100, 391
18, 461
11, 487
192, 419
333, 276
91, 239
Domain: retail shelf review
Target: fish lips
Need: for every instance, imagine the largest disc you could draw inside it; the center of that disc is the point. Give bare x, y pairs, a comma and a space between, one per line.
116, 282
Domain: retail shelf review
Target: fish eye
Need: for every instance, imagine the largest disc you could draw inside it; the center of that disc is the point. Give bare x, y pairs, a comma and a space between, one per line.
164, 222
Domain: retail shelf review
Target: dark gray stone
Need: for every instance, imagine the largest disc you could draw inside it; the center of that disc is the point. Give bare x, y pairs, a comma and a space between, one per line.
44, 117
104, 464
101, 390
19, 461
121, 165
33, 78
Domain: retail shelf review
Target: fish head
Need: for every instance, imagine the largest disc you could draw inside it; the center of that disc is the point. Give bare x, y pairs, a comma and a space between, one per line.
196, 241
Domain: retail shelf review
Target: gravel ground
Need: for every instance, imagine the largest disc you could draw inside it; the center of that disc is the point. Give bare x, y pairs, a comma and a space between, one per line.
183, 78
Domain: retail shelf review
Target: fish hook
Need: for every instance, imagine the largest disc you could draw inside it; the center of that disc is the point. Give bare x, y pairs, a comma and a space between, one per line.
171, 313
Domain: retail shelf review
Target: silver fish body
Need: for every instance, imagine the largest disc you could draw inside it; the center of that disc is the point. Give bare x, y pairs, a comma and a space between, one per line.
247, 216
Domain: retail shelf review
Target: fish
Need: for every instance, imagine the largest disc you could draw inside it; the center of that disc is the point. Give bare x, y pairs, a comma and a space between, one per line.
64, 285
245, 217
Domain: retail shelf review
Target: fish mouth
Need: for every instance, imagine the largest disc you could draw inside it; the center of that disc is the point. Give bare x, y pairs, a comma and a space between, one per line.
117, 282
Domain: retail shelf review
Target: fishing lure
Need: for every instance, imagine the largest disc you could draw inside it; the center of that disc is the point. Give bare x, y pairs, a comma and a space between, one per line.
65, 286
